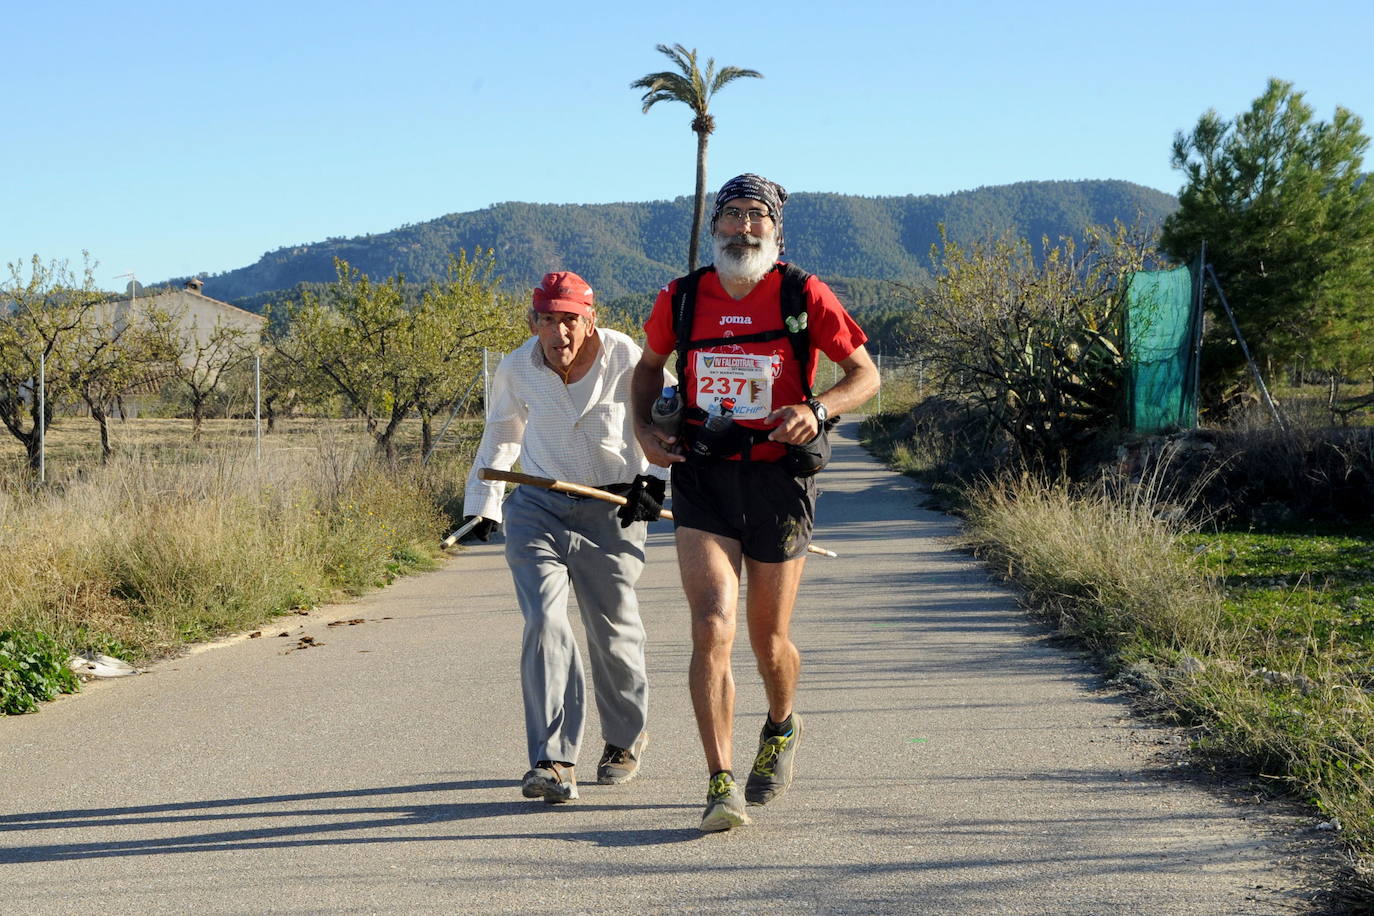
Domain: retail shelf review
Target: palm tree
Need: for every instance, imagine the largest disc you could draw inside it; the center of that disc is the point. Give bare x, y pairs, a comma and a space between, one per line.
693, 90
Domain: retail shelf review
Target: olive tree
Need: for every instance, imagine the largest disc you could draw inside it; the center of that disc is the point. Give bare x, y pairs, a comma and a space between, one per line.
391, 350
50, 330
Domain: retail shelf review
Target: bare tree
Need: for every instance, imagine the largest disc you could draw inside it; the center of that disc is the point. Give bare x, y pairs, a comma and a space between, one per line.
111, 359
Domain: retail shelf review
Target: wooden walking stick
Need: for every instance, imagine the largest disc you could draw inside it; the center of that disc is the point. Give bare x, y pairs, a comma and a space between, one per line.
577, 489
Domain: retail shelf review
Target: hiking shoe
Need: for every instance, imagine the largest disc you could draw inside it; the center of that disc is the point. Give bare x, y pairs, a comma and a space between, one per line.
772, 772
621, 764
724, 805
550, 780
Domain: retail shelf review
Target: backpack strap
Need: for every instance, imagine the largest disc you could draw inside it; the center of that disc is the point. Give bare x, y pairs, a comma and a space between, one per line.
684, 311
794, 319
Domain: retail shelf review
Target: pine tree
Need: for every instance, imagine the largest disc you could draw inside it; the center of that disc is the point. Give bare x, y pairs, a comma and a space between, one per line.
1288, 221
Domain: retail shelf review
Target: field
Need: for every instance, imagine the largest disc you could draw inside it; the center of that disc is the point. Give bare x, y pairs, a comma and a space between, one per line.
174, 542
73, 442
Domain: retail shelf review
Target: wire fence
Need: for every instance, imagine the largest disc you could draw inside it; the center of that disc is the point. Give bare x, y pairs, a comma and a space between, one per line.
905, 382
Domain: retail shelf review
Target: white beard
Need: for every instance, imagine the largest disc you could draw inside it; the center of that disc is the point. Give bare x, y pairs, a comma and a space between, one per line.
736, 262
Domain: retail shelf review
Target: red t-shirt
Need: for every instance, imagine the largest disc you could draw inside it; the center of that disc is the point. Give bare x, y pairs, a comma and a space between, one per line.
831, 330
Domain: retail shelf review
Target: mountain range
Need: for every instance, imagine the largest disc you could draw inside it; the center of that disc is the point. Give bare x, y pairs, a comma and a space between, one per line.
629, 250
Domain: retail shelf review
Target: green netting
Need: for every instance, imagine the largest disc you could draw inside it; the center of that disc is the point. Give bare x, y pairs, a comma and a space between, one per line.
1161, 349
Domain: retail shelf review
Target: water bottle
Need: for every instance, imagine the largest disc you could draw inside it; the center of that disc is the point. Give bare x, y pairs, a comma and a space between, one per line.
666, 413
711, 438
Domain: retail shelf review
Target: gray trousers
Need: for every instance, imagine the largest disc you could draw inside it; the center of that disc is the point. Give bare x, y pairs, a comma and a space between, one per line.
553, 540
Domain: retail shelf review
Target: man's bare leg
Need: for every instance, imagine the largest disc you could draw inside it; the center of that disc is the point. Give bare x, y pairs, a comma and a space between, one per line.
709, 566
772, 593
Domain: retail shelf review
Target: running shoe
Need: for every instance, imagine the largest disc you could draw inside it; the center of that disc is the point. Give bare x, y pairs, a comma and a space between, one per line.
724, 805
772, 771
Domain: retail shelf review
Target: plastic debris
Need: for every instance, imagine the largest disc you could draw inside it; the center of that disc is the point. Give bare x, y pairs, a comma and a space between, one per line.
93, 664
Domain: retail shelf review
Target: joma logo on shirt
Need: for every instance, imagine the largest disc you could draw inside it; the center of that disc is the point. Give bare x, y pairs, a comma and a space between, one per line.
736, 319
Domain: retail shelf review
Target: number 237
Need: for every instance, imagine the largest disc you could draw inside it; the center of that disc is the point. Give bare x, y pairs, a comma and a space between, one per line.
720, 384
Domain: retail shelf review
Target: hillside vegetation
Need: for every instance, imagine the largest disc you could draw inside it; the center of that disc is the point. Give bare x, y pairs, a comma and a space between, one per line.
626, 249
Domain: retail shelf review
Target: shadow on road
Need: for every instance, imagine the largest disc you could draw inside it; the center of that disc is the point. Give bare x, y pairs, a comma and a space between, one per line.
308, 824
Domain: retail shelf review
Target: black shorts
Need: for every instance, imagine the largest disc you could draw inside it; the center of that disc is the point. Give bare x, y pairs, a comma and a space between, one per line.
770, 512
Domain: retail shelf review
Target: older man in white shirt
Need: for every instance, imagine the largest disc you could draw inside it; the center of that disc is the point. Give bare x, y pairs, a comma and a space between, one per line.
560, 404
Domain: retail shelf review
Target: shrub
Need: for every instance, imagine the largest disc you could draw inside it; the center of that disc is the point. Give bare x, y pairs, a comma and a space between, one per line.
1031, 346
32, 669
1267, 475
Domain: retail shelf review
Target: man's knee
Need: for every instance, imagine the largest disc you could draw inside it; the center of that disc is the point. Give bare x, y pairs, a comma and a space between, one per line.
549, 636
772, 648
713, 626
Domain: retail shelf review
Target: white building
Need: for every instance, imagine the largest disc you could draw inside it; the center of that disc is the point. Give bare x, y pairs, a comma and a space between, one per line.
197, 314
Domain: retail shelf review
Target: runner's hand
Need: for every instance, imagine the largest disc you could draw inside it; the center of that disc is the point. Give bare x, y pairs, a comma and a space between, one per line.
796, 424
659, 449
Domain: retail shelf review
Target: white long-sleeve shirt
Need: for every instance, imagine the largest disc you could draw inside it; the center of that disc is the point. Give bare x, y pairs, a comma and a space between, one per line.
535, 419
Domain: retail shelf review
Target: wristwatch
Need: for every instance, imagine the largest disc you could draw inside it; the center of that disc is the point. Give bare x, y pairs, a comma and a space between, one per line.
819, 409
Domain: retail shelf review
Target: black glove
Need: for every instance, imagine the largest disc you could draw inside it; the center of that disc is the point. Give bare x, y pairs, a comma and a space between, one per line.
480, 531
645, 500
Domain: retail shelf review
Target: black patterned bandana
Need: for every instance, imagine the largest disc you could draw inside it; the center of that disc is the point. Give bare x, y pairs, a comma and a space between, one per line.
754, 187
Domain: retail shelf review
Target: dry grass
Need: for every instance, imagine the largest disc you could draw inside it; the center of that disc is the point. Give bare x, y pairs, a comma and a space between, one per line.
1311, 405
170, 543
1110, 568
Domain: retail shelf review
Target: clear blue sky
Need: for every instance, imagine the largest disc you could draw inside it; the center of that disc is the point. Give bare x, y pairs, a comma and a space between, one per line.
177, 138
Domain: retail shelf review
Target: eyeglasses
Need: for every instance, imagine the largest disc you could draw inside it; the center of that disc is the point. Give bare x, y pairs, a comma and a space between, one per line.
736, 215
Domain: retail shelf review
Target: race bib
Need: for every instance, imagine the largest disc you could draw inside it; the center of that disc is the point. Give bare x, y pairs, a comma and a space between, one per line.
747, 379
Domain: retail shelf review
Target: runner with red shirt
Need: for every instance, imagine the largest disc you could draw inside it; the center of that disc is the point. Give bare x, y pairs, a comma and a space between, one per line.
745, 509
718, 315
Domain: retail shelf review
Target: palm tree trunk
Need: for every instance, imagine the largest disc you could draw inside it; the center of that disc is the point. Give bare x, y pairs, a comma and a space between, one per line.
699, 211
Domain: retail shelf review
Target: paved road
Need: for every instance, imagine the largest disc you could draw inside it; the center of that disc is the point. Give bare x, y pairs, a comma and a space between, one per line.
955, 762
